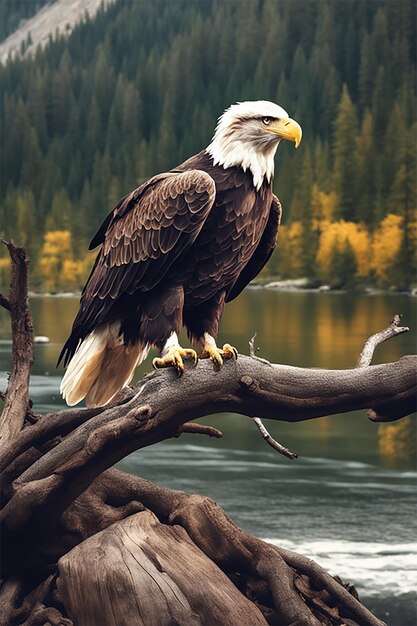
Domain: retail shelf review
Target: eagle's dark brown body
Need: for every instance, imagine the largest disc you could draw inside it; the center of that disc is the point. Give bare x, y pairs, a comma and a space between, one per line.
174, 251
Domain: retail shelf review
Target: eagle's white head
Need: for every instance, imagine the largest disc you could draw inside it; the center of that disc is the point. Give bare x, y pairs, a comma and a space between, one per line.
247, 135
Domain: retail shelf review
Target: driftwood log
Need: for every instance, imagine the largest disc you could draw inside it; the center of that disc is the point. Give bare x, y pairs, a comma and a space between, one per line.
88, 545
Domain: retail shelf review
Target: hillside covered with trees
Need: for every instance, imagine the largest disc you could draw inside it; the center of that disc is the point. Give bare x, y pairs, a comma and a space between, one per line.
138, 89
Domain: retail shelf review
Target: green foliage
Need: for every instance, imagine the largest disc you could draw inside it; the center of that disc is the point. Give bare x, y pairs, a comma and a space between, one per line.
344, 150
138, 89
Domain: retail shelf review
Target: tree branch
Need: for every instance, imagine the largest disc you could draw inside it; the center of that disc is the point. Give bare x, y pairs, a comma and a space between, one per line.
393, 330
257, 420
16, 401
4, 302
248, 387
200, 429
273, 442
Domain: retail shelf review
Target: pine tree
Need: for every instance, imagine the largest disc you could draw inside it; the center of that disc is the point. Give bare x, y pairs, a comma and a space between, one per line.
345, 161
366, 156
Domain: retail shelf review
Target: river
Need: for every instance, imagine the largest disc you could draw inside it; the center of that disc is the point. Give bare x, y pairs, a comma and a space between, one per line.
349, 501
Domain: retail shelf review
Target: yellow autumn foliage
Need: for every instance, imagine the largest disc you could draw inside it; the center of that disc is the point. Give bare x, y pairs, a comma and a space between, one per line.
323, 205
57, 267
335, 236
288, 258
72, 274
386, 244
57, 243
4, 272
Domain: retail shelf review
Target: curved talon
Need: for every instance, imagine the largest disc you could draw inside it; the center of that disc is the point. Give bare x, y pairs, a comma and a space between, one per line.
229, 352
217, 355
213, 353
174, 358
192, 354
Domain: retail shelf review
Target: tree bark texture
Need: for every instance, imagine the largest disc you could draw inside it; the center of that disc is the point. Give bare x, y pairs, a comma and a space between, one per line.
12, 417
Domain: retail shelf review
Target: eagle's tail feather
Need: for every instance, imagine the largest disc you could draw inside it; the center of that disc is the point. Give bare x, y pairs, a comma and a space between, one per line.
116, 372
100, 367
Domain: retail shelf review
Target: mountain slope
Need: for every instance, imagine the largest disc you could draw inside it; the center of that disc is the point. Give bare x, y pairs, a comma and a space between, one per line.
60, 17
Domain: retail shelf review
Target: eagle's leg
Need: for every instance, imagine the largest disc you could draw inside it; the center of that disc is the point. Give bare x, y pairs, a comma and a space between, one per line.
217, 355
202, 322
172, 355
160, 324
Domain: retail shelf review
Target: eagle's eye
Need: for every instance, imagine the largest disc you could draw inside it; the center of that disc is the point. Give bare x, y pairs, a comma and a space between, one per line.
267, 120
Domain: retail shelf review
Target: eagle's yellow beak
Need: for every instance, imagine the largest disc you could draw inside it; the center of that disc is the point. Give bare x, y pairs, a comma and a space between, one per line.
287, 129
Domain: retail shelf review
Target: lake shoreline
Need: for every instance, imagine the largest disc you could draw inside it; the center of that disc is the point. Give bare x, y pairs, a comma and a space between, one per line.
302, 285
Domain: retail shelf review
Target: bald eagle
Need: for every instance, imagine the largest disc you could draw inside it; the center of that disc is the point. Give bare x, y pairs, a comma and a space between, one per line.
174, 251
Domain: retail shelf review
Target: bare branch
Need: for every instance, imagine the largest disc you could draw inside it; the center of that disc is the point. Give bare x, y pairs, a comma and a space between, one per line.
252, 350
16, 402
393, 330
248, 387
200, 429
4, 302
45, 429
165, 403
272, 442
262, 429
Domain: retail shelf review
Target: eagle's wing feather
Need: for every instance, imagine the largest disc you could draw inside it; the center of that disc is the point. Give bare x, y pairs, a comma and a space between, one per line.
143, 236
140, 247
262, 253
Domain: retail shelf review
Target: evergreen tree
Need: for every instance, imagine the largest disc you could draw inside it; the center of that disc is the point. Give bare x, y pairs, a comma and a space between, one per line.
345, 161
366, 156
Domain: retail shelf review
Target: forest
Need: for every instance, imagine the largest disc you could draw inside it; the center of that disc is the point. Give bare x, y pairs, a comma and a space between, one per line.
138, 89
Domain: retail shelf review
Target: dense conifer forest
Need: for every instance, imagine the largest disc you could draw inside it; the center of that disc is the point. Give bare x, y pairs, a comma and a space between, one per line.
138, 89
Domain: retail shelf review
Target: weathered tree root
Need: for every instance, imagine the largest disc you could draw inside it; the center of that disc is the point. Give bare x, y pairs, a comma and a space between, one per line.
285, 588
238, 552
28, 603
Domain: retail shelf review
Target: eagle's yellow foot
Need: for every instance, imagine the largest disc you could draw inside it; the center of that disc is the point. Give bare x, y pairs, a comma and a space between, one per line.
174, 358
211, 351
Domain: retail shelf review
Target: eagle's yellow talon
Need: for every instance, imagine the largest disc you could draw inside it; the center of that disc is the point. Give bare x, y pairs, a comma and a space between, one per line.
217, 355
174, 358
229, 352
213, 353
192, 354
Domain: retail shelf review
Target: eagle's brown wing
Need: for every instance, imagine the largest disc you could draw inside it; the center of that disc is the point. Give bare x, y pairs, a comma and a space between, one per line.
262, 253
142, 237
